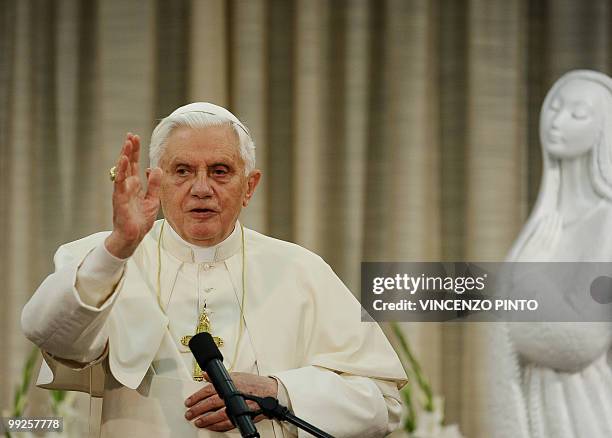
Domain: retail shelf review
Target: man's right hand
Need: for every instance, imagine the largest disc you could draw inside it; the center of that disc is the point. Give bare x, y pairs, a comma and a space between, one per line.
134, 210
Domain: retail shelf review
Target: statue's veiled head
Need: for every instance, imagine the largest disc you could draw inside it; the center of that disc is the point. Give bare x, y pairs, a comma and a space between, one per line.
572, 120
576, 119
576, 135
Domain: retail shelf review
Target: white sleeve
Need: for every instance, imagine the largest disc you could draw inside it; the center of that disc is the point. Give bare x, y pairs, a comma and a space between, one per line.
98, 275
69, 323
369, 407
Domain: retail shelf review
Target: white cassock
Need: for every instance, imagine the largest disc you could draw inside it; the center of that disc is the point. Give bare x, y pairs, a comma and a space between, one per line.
301, 325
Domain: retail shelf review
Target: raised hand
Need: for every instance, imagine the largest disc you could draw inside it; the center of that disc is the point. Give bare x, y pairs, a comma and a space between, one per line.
134, 210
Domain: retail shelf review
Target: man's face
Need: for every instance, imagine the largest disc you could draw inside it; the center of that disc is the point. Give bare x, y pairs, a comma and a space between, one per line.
204, 185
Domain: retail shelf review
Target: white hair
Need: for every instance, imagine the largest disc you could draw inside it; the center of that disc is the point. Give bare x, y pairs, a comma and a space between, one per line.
201, 115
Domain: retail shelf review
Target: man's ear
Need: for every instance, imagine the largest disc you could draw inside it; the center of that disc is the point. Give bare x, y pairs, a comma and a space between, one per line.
252, 181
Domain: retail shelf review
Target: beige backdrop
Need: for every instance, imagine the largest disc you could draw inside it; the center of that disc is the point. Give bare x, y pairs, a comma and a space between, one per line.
386, 130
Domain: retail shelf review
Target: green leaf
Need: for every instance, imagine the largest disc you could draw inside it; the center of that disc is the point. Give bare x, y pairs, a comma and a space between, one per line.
21, 391
414, 367
57, 395
410, 420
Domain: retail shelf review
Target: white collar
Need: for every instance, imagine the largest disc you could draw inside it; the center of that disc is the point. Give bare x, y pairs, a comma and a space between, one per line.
190, 252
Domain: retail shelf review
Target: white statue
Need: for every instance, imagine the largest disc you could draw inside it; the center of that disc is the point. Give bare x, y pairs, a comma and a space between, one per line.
576, 189
563, 375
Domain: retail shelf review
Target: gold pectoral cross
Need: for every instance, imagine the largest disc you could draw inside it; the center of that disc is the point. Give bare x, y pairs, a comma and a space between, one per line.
203, 326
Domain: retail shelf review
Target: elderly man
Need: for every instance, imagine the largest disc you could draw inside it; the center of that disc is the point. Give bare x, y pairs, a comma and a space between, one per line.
115, 317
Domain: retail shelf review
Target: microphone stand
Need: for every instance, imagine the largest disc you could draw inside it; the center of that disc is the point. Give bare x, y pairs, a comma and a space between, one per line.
271, 408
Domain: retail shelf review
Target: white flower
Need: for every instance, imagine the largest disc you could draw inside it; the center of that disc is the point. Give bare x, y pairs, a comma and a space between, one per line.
429, 424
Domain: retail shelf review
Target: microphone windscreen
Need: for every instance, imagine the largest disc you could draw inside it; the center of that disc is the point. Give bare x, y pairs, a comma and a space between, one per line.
204, 348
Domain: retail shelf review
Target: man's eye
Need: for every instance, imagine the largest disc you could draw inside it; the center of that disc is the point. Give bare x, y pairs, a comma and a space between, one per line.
182, 171
220, 172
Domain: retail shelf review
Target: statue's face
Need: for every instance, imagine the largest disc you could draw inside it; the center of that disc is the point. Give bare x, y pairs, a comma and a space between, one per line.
572, 121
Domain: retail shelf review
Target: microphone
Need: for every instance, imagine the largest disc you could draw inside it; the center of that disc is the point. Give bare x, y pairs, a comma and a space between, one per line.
209, 358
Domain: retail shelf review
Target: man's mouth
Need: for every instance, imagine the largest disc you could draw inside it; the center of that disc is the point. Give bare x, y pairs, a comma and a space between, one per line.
202, 212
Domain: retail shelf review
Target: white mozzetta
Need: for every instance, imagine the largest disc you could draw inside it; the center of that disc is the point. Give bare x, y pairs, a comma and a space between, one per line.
302, 326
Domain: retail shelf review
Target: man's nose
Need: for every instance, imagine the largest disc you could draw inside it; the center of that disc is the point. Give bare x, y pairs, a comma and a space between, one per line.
201, 187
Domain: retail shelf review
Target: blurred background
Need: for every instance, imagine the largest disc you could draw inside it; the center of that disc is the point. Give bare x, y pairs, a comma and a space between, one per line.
387, 130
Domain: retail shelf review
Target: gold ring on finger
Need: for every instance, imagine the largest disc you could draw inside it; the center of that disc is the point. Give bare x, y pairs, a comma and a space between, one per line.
112, 172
